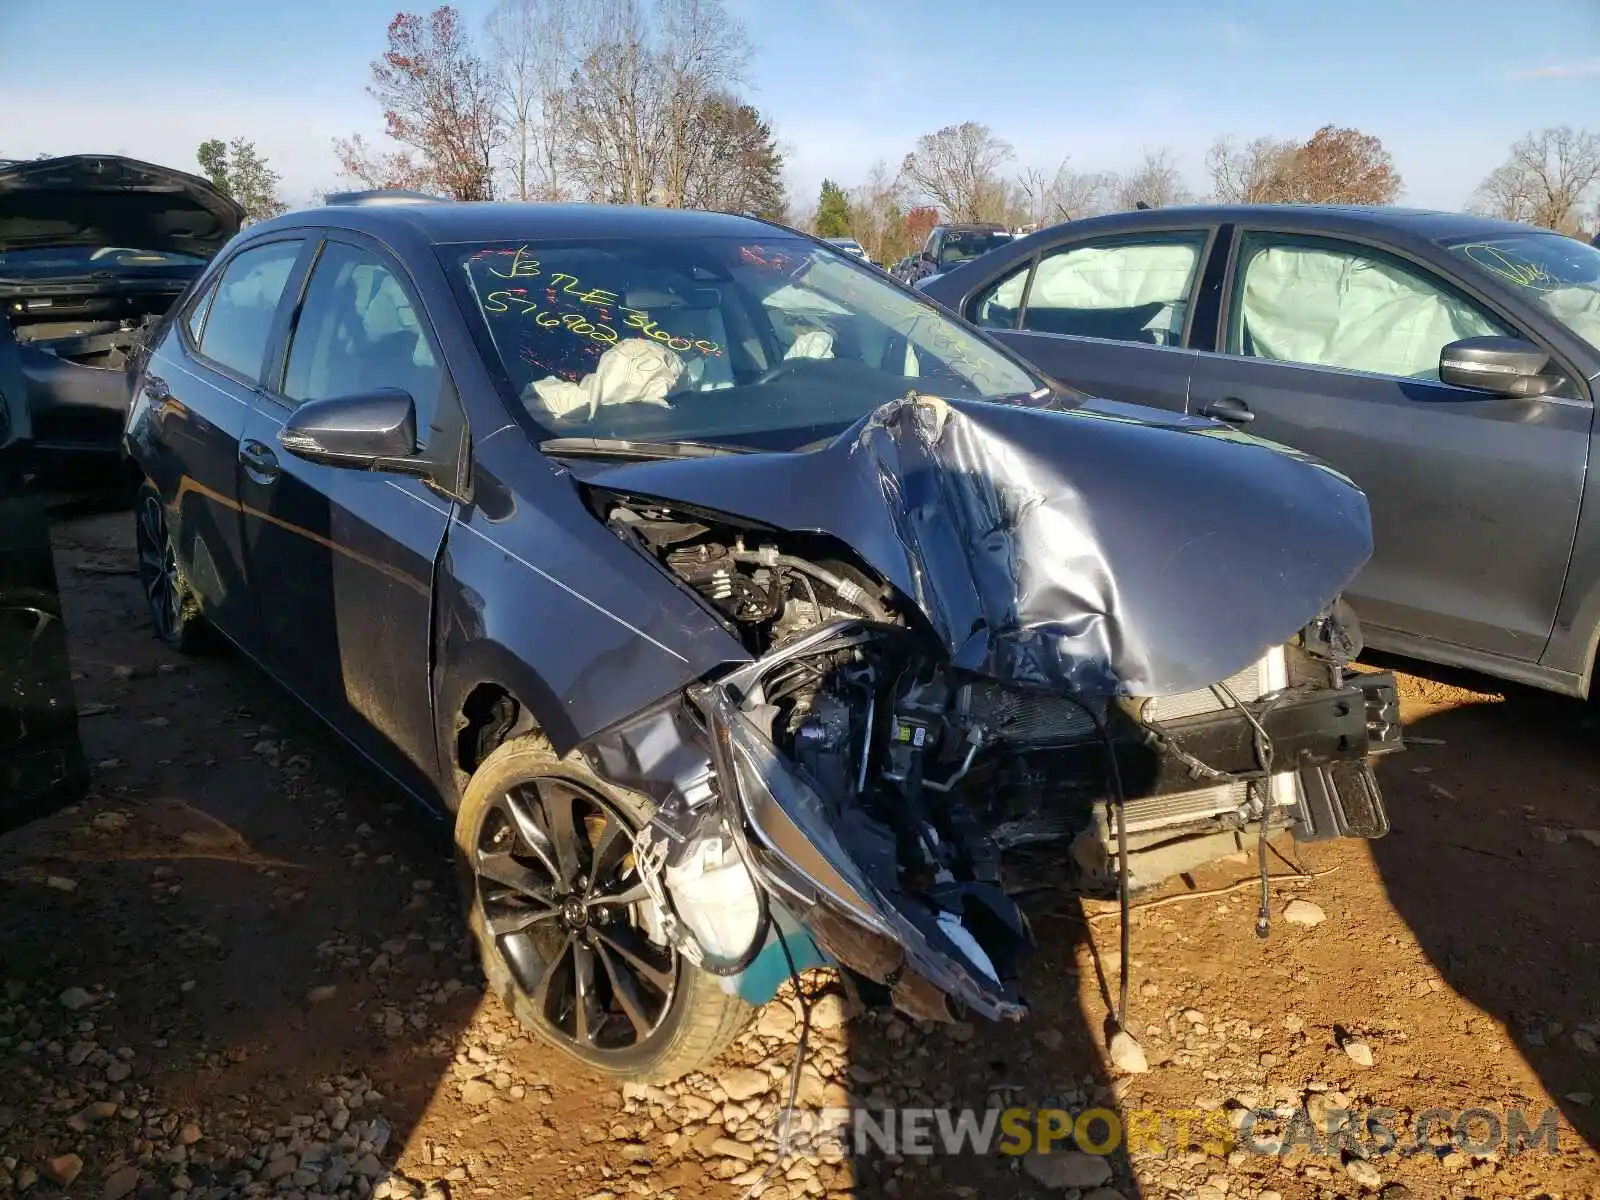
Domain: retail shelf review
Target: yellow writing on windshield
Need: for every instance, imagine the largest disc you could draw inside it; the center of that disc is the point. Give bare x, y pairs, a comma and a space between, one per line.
562, 286
1519, 271
522, 266
508, 301
640, 320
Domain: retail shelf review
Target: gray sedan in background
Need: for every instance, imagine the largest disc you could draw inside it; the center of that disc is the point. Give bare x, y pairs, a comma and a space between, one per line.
1448, 364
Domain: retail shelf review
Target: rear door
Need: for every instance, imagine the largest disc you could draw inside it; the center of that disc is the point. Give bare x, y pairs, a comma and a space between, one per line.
1106, 314
1332, 346
199, 385
343, 560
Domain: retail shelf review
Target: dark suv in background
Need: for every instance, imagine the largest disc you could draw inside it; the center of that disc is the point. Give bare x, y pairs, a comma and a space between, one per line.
950, 245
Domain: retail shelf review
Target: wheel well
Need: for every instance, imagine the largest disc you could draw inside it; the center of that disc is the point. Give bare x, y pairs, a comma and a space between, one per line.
489, 716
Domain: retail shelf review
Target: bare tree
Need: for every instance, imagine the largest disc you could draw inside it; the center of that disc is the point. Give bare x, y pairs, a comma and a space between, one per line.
652, 115
614, 109
438, 99
1156, 182
1548, 179
702, 56
531, 41
958, 168
876, 207
1033, 185
1258, 173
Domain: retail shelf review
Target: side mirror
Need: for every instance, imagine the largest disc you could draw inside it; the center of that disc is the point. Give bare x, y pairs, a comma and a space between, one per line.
1502, 366
925, 257
368, 431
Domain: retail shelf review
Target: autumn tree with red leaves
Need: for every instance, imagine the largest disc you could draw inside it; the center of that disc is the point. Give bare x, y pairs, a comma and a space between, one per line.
440, 100
919, 224
1333, 166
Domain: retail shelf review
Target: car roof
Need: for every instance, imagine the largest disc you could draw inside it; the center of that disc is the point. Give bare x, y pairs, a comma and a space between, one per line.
1433, 225
442, 222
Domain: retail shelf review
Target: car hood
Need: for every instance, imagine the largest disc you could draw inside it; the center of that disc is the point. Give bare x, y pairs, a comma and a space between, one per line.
106, 200
1100, 549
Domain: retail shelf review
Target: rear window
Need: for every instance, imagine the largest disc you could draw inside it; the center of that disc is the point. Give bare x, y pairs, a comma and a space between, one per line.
240, 321
960, 247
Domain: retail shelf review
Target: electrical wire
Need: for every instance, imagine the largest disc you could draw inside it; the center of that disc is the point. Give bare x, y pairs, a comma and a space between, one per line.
1263, 794
785, 1124
1119, 803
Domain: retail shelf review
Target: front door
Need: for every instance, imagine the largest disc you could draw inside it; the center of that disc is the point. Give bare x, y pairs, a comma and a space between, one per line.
1333, 348
343, 560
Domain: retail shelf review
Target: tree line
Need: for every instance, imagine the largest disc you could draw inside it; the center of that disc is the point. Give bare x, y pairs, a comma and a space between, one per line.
968, 172
643, 102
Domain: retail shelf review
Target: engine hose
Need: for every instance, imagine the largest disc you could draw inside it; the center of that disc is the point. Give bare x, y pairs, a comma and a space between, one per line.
850, 593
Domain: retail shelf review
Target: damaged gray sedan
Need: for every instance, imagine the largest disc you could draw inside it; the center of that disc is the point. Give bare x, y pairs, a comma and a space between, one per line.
743, 611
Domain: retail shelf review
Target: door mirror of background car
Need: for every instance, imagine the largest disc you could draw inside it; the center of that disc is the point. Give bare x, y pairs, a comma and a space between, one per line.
369, 431
1503, 366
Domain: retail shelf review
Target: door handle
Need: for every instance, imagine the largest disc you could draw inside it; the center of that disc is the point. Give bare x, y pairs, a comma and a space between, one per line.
258, 460
1229, 408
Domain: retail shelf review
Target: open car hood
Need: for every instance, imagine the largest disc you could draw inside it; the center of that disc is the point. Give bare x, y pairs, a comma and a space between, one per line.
106, 200
1096, 550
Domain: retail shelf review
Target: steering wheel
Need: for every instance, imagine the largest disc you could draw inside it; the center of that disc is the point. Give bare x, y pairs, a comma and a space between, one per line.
788, 366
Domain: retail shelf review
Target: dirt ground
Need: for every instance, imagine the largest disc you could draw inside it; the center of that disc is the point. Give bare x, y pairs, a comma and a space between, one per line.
237, 969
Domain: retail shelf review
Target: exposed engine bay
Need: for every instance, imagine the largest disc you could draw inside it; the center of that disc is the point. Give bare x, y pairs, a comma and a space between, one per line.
915, 776
111, 345
77, 354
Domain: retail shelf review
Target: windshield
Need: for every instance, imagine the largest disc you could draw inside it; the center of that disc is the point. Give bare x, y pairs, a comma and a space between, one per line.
959, 247
770, 343
92, 258
1560, 274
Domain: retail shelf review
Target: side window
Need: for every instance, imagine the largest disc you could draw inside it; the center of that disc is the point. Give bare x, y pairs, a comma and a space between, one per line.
1132, 290
358, 332
239, 323
196, 320
999, 304
1333, 304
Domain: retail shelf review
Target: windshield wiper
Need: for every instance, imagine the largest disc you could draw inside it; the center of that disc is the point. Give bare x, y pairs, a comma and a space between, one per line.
578, 447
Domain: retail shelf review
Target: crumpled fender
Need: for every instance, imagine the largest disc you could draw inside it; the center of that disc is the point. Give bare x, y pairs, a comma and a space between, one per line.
1101, 549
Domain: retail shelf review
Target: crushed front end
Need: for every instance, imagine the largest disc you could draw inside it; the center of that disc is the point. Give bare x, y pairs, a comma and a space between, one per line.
985, 670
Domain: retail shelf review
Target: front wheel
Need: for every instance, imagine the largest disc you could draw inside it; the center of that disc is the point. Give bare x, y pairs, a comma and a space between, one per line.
567, 934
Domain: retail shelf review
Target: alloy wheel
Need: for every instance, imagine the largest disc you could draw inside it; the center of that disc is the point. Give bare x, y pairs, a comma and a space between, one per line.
565, 907
158, 569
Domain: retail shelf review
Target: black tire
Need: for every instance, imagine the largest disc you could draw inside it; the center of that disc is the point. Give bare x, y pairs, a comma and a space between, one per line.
174, 608
653, 1016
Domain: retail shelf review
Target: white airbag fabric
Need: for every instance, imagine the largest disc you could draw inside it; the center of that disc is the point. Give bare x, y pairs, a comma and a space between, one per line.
1114, 277
636, 371
1331, 309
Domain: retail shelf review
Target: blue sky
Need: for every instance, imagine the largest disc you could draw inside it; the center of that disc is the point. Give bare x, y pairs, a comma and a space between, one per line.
1447, 84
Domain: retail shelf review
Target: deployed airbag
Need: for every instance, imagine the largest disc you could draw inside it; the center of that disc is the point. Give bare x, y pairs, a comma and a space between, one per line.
632, 372
1326, 308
